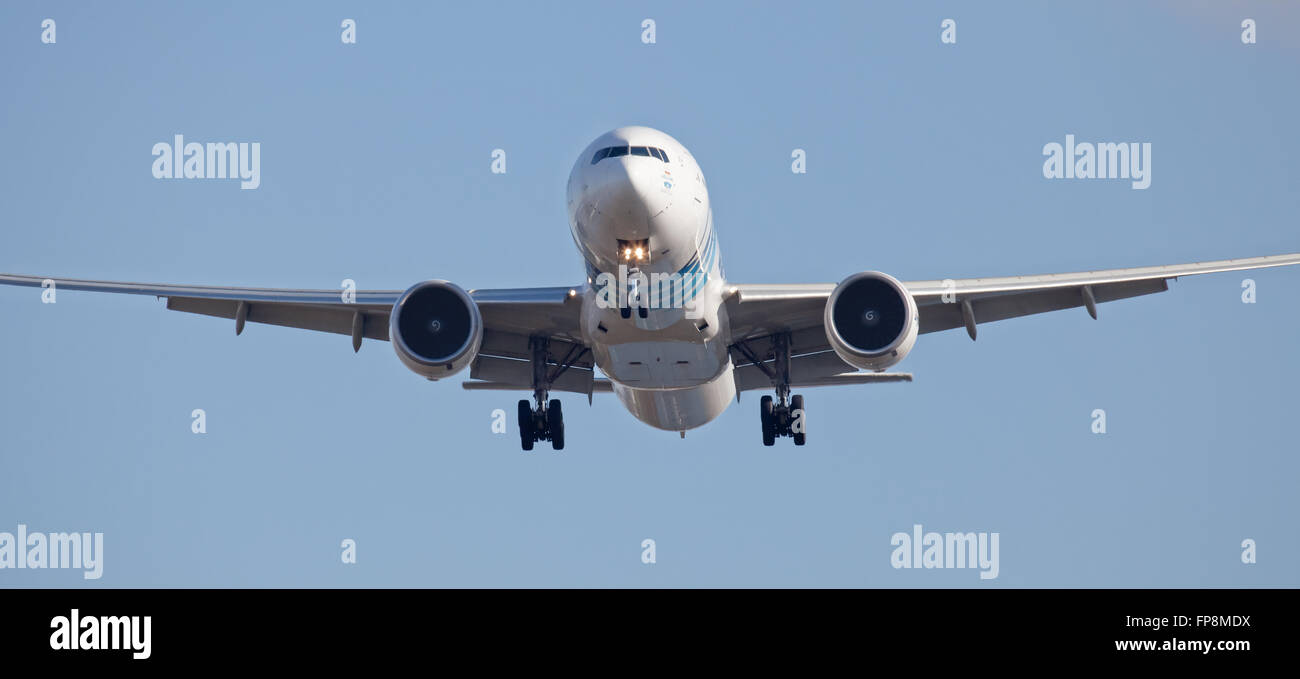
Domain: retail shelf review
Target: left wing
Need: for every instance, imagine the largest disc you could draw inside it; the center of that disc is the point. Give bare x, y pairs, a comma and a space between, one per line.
510, 317
761, 310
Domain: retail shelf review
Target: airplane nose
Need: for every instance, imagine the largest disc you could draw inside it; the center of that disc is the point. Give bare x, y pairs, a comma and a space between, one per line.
633, 193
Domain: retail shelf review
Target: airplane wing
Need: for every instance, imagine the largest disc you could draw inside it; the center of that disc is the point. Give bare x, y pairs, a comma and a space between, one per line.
762, 310
510, 317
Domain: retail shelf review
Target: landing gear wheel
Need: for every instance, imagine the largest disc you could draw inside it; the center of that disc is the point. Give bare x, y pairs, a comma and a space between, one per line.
555, 422
769, 425
526, 432
798, 415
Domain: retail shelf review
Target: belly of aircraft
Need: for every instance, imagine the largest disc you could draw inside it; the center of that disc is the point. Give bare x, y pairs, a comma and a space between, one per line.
662, 365
680, 409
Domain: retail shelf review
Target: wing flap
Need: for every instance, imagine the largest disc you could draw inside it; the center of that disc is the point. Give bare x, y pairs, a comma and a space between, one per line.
510, 374
811, 370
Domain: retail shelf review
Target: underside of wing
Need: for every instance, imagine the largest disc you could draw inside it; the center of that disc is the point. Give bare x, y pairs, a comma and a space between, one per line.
820, 369
761, 311
947, 304
510, 316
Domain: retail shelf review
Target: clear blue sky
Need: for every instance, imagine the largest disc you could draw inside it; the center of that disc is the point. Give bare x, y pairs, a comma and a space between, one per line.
924, 161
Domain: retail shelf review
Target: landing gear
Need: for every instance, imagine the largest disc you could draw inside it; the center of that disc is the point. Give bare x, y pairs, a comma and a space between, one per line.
784, 415
769, 423
545, 420
783, 419
797, 423
555, 417
544, 424
636, 297
527, 431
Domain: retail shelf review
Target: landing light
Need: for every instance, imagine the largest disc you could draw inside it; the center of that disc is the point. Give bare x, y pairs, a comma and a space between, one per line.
634, 251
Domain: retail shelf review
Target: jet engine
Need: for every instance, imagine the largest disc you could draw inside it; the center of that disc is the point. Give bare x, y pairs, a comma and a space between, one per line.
871, 320
436, 329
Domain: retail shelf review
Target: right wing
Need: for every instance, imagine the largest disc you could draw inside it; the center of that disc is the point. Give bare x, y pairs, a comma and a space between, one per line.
320, 310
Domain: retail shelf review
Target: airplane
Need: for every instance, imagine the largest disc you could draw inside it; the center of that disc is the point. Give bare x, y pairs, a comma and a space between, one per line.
674, 340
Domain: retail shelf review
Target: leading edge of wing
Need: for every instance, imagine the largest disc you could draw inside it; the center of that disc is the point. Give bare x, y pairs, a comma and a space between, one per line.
504, 296
765, 292
971, 286
204, 291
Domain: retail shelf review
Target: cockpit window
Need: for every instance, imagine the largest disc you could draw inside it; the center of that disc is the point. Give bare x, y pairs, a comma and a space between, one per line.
617, 151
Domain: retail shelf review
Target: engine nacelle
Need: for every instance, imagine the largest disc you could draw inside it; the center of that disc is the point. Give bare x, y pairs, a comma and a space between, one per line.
871, 320
436, 329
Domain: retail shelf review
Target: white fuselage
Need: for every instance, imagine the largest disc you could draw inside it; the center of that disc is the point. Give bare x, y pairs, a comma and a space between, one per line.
653, 310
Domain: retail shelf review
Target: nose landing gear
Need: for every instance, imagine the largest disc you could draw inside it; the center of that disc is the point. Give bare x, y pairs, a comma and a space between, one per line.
636, 296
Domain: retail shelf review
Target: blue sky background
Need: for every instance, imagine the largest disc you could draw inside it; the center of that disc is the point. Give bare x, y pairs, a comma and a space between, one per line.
924, 161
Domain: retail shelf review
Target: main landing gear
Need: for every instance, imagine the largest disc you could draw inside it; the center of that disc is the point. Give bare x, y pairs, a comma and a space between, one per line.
784, 415
783, 419
545, 422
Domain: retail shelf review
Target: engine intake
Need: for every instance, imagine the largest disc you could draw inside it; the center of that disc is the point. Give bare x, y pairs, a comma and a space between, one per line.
436, 329
871, 320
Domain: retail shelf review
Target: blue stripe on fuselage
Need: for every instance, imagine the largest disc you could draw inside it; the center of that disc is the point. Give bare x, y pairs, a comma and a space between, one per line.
694, 276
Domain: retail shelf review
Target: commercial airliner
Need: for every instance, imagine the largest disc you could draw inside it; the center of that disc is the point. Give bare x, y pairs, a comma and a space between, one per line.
673, 339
